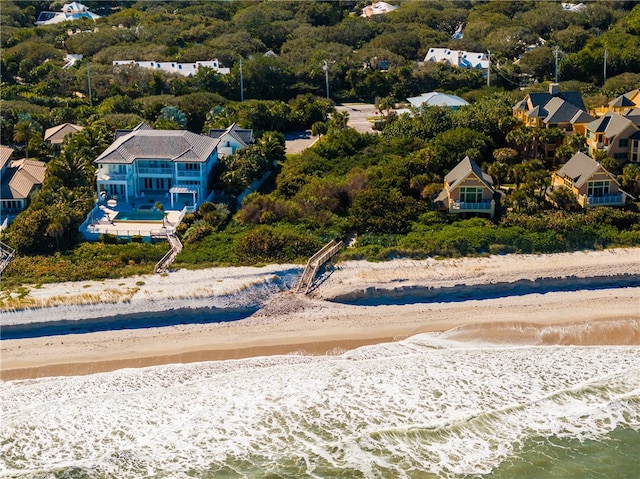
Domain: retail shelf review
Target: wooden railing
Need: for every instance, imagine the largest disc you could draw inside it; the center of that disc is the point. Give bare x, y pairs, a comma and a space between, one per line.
176, 246
6, 255
314, 264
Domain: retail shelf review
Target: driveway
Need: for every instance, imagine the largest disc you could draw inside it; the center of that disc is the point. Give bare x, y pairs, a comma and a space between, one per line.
298, 141
359, 114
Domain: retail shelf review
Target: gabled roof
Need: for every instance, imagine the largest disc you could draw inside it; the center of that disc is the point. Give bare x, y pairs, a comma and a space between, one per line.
146, 143
463, 169
5, 154
621, 101
537, 112
581, 116
437, 99
580, 168
633, 115
541, 99
521, 105
19, 178
242, 135
611, 124
560, 111
56, 134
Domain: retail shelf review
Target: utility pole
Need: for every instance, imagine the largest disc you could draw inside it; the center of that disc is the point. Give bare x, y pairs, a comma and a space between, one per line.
556, 76
489, 70
326, 76
241, 85
89, 83
605, 65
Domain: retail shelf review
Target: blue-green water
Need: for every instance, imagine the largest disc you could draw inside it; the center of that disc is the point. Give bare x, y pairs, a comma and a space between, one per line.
144, 216
420, 408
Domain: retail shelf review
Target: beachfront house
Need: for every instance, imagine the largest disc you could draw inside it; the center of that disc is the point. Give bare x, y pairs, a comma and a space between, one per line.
591, 184
467, 189
19, 179
232, 138
172, 164
616, 135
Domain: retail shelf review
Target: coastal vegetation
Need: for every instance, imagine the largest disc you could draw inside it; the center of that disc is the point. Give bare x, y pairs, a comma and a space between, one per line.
376, 188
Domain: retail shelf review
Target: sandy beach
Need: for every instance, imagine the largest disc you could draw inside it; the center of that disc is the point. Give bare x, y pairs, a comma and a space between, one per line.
581, 298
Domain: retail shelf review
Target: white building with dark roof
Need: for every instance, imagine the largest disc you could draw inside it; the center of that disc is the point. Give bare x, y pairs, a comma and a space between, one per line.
157, 163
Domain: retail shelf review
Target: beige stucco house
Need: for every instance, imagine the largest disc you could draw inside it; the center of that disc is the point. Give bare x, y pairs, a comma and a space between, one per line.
467, 189
589, 181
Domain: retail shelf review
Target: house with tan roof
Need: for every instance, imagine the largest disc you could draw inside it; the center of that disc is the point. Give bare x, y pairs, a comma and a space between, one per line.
56, 134
18, 180
589, 181
174, 164
614, 134
232, 138
467, 189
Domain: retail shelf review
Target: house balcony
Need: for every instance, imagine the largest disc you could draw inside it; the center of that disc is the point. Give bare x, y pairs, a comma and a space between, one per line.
466, 205
102, 176
607, 200
187, 174
156, 171
484, 206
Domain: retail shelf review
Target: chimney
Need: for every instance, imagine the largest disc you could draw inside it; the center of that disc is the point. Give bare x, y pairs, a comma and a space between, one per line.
554, 89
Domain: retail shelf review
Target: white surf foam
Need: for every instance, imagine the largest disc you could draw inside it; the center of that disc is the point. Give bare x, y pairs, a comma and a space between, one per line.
423, 404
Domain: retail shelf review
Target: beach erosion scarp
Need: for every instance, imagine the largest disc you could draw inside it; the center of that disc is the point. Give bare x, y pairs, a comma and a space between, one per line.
223, 313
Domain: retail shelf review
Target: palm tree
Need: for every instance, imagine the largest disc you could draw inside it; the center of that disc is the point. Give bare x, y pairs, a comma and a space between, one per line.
23, 131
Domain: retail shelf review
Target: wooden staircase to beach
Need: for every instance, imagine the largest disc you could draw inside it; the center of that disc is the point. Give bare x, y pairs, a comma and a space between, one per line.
176, 246
314, 264
6, 255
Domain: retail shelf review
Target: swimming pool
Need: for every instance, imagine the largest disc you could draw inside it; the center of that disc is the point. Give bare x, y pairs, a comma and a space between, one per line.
139, 217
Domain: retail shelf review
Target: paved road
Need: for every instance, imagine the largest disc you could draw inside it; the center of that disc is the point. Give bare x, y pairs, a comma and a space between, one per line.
297, 141
359, 113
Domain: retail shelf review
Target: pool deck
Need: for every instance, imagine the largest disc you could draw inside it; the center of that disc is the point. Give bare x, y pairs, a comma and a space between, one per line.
100, 220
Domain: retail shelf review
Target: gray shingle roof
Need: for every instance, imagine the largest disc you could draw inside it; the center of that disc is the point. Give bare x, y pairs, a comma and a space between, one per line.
146, 143
610, 124
462, 170
579, 169
243, 135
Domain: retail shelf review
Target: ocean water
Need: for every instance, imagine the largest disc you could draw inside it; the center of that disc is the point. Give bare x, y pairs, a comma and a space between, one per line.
420, 408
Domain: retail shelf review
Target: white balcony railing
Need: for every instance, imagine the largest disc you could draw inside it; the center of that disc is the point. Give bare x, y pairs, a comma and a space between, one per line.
155, 171
112, 177
188, 173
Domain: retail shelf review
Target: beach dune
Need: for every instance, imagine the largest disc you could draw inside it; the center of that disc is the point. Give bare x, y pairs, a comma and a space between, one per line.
581, 298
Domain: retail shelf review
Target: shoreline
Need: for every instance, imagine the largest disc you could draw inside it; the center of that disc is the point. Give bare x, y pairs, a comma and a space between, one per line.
287, 323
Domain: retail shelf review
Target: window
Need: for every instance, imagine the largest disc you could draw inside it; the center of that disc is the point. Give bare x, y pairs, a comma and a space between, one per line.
470, 194
598, 188
623, 142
